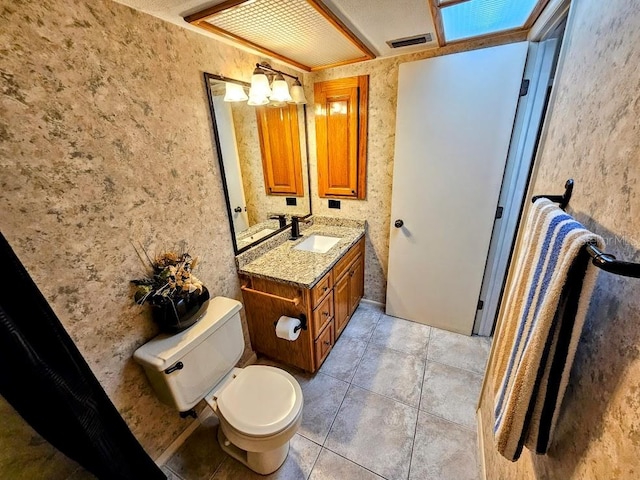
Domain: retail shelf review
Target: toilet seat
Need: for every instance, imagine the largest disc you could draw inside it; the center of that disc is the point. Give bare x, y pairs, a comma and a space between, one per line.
260, 401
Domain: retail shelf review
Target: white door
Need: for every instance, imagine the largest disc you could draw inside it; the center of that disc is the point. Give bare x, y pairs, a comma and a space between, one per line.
231, 161
454, 120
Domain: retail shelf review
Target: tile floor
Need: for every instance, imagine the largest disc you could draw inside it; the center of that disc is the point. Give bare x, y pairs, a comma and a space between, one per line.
394, 400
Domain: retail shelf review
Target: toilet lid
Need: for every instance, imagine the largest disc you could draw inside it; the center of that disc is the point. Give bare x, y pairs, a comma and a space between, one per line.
261, 400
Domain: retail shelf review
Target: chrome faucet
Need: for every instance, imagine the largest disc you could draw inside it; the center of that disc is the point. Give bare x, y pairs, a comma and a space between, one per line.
295, 226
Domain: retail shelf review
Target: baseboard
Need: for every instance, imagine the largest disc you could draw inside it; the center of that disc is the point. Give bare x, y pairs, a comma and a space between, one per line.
372, 302
483, 468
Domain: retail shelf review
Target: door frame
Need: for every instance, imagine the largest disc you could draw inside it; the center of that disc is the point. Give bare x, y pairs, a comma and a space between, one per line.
542, 60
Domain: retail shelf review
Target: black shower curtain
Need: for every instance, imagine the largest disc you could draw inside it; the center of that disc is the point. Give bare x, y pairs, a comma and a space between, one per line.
46, 379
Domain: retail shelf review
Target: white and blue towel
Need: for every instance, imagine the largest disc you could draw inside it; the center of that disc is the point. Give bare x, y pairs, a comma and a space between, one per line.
544, 313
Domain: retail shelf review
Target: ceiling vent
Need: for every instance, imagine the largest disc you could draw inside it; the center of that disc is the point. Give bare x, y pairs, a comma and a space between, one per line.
407, 41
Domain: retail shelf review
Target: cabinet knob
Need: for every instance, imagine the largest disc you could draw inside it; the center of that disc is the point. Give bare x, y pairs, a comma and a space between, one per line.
399, 223
327, 343
325, 289
326, 314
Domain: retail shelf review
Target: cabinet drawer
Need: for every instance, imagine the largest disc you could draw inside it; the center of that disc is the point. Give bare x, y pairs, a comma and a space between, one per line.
321, 289
322, 315
343, 264
324, 343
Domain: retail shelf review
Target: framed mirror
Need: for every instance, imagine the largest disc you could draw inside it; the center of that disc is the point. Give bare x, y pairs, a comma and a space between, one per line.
263, 162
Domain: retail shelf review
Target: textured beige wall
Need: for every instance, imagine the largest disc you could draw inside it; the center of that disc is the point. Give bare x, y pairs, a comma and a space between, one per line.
593, 136
376, 208
105, 140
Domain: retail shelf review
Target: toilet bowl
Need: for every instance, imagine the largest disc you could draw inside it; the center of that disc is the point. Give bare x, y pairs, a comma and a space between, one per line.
259, 407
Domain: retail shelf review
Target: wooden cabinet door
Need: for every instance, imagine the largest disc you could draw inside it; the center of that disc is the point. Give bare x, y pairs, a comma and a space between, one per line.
356, 283
341, 299
341, 136
280, 147
324, 343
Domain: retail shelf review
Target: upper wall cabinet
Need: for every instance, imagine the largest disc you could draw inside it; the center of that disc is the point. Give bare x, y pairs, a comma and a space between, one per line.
341, 136
280, 146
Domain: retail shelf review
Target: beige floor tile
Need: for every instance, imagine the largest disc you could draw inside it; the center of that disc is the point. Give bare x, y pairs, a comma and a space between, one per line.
171, 475
459, 350
451, 393
302, 455
403, 335
391, 373
330, 466
443, 451
322, 398
344, 358
200, 455
374, 432
362, 324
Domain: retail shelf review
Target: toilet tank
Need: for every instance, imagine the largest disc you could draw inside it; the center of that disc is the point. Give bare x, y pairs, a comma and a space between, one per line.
184, 367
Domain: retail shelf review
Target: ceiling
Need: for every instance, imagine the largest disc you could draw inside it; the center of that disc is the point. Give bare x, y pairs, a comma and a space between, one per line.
314, 34
374, 22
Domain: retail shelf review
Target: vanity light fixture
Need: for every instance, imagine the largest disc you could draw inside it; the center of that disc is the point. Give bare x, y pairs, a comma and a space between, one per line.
234, 92
277, 94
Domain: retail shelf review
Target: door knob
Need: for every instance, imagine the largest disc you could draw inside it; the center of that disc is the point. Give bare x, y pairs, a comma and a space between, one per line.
399, 223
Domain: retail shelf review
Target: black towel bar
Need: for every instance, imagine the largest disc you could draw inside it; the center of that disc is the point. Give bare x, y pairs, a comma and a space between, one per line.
605, 261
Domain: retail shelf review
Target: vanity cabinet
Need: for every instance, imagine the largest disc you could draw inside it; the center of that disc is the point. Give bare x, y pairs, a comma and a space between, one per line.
327, 306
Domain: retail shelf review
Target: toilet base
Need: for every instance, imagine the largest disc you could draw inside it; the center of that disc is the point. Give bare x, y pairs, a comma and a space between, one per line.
263, 463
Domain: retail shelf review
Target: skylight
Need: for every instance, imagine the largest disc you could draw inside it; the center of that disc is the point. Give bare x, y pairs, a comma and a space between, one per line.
481, 17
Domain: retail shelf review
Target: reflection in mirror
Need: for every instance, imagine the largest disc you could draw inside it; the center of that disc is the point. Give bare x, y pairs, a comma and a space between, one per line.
263, 160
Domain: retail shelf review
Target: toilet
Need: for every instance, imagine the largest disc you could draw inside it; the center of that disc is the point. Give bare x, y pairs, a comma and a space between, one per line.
259, 407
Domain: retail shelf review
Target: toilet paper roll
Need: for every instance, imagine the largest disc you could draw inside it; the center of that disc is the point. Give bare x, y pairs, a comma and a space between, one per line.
285, 328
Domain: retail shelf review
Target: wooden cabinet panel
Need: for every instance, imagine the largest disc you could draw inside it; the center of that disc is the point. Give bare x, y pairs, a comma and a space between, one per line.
341, 136
280, 147
324, 343
356, 283
321, 289
265, 301
342, 266
341, 303
322, 315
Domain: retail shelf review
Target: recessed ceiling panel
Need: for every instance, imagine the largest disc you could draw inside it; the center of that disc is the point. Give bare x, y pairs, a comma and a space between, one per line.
297, 30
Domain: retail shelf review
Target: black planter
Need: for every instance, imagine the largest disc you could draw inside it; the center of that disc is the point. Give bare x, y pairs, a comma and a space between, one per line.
183, 313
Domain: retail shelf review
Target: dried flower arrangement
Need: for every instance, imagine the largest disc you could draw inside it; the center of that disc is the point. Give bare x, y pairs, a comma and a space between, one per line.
170, 279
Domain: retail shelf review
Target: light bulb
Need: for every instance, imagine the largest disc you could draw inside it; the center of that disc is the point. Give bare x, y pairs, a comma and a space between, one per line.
259, 84
280, 90
234, 93
297, 93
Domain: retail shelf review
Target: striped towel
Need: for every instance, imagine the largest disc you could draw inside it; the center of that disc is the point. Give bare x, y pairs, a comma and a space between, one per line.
544, 314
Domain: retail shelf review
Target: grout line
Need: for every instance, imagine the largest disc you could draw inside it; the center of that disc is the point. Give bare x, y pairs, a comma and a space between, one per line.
225, 459
466, 427
317, 457
424, 374
355, 463
455, 366
173, 472
349, 383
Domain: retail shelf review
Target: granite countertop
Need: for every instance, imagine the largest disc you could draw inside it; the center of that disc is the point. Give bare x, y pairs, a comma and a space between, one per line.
297, 267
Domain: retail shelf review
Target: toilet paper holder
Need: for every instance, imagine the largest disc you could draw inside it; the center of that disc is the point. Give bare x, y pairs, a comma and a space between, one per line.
303, 323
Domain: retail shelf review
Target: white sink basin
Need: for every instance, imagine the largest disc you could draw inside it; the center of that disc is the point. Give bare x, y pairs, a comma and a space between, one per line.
256, 236
317, 244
